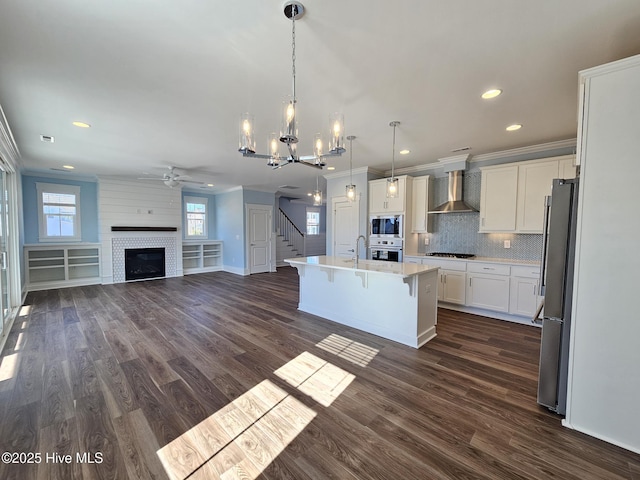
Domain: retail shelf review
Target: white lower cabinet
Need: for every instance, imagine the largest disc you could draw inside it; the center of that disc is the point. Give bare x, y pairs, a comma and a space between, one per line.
524, 298
452, 279
494, 287
488, 291
452, 287
488, 286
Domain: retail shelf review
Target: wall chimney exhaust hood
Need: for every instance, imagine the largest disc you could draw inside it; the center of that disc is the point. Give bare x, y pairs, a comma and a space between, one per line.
455, 166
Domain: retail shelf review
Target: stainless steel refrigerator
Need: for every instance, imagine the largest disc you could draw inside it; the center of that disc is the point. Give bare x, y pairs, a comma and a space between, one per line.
556, 285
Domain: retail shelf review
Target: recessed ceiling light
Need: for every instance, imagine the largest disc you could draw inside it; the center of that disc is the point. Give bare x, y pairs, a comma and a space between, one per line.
68, 167
514, 127
209, 184
309, 194
405, 152
331, 168
493, 93
82, 125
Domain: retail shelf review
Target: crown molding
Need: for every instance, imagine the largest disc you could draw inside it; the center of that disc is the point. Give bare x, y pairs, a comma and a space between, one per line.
484, 157
531, 149
356, 171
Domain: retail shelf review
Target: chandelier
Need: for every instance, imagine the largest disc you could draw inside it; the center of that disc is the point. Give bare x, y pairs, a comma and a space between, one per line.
289, 129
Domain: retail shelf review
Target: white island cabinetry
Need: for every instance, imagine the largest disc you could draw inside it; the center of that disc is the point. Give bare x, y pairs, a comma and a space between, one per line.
396, 301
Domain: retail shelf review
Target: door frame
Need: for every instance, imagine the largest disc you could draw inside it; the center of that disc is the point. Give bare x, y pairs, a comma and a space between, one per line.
271, 243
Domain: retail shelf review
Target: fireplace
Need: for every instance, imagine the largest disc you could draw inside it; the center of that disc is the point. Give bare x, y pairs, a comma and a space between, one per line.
141, 263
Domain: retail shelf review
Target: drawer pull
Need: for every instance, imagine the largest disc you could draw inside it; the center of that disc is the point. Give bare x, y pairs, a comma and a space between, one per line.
488, 268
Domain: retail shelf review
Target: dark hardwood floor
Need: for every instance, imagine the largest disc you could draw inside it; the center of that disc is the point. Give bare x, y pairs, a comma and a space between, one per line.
219, 376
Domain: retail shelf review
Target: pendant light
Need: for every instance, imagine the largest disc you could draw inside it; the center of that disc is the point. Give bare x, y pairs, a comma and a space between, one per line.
293, 10
317, 195
392, 183
351, 188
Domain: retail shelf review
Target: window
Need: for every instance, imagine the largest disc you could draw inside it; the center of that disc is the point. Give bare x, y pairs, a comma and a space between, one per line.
59, 212
313, 222
196, 213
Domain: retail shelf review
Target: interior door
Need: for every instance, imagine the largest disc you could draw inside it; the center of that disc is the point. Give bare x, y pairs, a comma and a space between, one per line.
345, 228
259, 235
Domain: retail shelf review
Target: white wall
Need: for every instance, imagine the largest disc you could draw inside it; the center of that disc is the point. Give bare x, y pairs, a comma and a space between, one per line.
128, 202
604, 372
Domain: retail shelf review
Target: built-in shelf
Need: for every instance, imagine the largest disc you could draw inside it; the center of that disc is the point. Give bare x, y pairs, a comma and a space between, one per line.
144, 229
64, 265
200, 256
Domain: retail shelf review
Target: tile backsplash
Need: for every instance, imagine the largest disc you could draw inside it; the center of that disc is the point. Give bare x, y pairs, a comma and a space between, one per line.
458, 232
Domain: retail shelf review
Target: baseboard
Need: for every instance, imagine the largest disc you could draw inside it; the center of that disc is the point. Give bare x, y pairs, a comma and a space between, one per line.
489, 314
236, 270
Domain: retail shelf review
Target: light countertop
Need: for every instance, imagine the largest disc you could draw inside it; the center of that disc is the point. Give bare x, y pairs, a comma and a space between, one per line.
509, 261
369, 266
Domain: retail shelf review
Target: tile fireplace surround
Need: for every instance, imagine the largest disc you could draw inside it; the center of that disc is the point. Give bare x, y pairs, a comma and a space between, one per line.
120, 244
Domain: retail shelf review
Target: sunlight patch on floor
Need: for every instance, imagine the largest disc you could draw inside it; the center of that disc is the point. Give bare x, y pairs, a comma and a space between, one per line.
8, 367
242, 439
351, 351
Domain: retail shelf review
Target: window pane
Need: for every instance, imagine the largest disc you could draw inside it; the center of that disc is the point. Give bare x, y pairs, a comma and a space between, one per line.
196, 217
58, 198
196, 207
53, 225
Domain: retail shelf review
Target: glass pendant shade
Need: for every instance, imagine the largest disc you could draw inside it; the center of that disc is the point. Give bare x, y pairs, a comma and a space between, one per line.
318, 148
336, 133
351, 193
392, 188
247, 139
274, 147
317, 198
289, 131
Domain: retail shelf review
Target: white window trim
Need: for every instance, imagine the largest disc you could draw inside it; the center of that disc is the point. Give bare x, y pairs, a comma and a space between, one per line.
42, 223
306, 224
203, 201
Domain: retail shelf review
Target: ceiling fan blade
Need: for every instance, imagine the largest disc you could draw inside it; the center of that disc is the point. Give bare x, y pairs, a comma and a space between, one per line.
190, 181
150, 178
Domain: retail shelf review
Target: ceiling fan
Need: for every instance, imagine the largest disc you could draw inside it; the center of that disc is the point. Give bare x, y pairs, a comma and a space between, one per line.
172, 179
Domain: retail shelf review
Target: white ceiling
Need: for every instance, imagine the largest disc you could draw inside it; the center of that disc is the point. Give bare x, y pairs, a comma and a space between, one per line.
164, 82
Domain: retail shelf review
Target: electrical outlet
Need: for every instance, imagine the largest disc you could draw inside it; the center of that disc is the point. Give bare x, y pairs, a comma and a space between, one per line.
507, 244
426, 241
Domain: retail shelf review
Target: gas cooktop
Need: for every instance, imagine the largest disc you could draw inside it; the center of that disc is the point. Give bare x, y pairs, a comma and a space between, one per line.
451, 255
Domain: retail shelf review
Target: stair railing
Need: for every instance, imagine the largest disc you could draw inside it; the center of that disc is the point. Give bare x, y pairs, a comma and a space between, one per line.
292, 234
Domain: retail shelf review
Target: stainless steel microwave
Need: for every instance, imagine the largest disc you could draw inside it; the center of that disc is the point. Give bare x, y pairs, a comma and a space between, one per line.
386, 226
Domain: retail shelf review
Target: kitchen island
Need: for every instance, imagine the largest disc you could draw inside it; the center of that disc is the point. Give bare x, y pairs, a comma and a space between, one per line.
397, 301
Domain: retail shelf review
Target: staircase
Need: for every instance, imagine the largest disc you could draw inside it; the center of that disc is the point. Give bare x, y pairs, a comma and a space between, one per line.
290, 242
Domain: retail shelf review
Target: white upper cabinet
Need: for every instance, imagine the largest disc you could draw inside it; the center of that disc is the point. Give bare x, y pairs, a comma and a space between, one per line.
498, 197
379, 203
534, 184
421, 204
513, 195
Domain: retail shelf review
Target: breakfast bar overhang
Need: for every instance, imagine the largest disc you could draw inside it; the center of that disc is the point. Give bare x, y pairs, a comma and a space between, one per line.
397, 301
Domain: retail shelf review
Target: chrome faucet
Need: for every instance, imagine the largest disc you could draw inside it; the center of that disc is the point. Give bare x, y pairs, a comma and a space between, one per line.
358, 244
